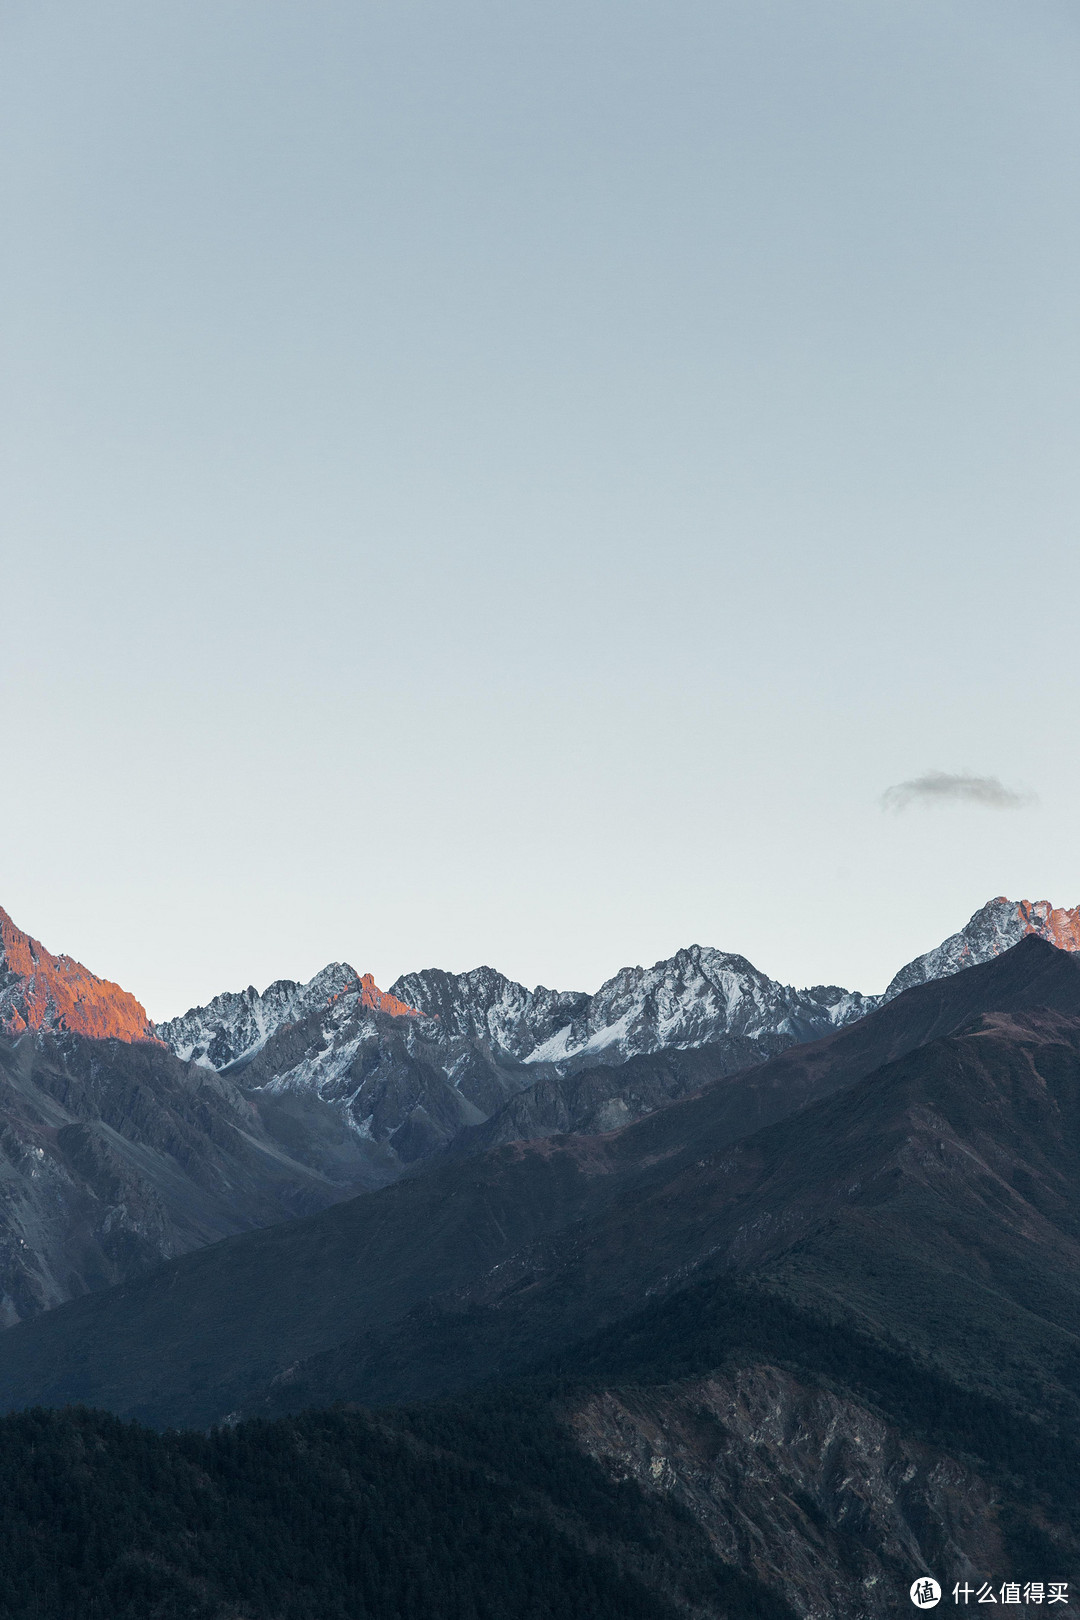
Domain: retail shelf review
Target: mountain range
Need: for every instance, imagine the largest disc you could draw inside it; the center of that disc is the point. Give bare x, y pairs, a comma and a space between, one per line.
126, 1142
815, 1323
699, 995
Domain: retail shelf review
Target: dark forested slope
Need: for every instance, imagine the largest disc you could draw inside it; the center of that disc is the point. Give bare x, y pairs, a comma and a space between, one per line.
488, 1514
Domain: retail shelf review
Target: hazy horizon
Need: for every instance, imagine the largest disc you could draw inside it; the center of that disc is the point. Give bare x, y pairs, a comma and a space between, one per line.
539, 486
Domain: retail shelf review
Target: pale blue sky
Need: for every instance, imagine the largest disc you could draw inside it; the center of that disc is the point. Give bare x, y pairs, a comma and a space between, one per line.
516, 482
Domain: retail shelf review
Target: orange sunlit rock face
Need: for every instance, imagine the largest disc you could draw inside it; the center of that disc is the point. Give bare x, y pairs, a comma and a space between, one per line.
382, 1001
1058, 925
42, 991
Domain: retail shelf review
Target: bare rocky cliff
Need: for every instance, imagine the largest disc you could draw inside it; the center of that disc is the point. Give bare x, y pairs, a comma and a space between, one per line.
810, 1491
39, 991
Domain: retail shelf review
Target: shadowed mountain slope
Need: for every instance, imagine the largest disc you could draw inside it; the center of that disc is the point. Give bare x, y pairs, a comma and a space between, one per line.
515, 1253
933, 1206
114, 1155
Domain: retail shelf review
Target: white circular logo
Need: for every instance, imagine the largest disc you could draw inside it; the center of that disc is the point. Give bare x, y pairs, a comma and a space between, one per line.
925, 1592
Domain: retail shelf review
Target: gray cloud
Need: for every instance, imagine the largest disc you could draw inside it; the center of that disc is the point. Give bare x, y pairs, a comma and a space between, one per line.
954, 787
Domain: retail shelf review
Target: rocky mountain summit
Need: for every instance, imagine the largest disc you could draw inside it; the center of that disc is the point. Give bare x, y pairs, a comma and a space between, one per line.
39, 991
995, 927
441, 1054
698, 995
236, 1025
495, 1013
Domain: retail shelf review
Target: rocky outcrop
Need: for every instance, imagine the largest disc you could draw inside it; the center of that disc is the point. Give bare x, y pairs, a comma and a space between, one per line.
39, 991
808, 1490
608, 1096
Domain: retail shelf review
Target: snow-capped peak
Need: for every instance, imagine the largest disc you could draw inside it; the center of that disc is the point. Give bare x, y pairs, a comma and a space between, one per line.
700, 994
994, 928
237, 1024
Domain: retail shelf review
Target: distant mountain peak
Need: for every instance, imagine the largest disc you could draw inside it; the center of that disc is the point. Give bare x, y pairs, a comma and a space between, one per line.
40, 991
237, 1024
995, 927
699, 995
